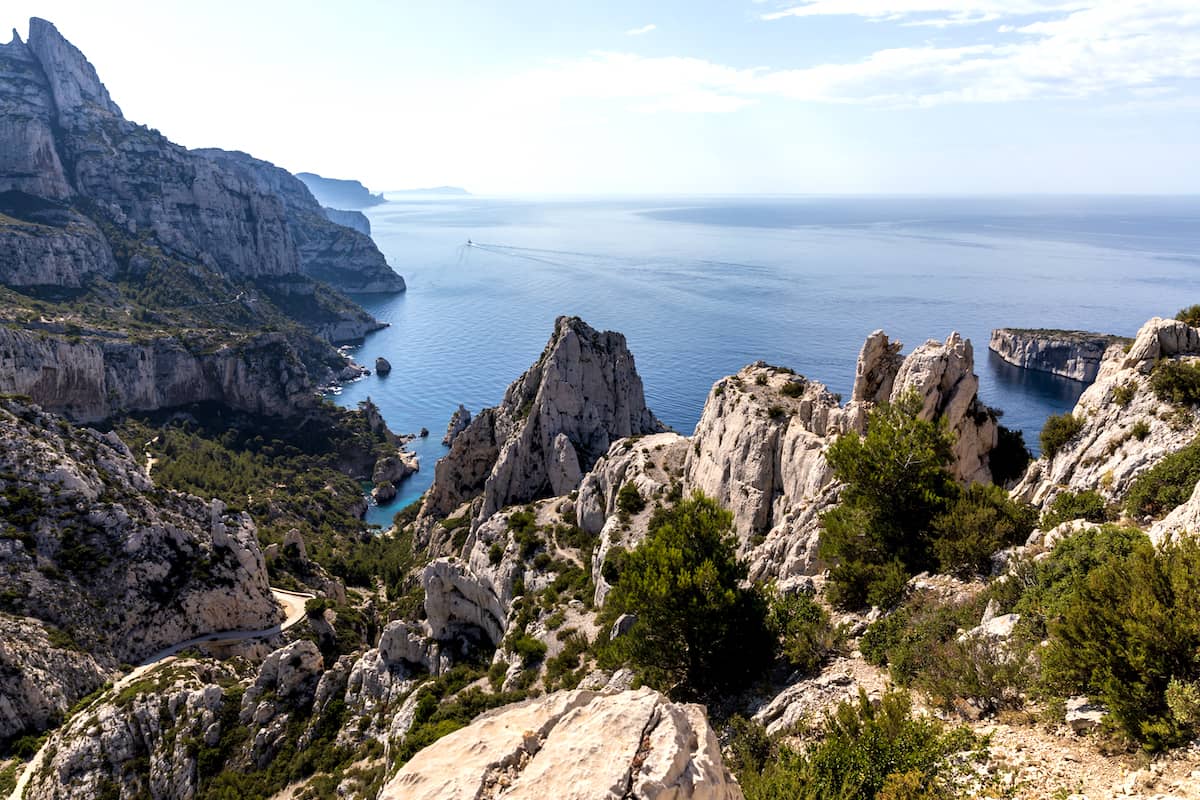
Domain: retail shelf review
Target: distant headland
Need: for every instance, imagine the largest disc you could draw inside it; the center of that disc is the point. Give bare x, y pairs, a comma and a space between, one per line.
337, 193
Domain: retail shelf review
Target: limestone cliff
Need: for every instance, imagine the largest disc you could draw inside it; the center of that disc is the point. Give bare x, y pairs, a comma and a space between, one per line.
351, 219
578, 744
1069, 354
339, 193
1125, 428
90, 548
91, 378
329, 251
554, 423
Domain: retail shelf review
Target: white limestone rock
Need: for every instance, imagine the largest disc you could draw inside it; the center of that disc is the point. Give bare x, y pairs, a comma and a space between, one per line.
459, 421
577, 745
554, 423
1106, 456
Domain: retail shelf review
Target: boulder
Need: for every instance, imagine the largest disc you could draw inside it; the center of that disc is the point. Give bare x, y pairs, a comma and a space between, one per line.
576, 745
382, 366
1084, 716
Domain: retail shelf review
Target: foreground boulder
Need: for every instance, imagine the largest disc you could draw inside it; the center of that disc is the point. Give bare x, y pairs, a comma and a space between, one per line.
574, 745
554, 423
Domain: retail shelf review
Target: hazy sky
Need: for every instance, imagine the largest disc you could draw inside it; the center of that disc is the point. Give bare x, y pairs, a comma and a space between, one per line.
670, 96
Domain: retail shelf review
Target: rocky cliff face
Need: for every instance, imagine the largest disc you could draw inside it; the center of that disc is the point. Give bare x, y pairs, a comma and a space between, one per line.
340, 255
577, 744
339, 193
554, 423
1106, 455
355, 220
95, 377
1069, 354
80, 520
63, 141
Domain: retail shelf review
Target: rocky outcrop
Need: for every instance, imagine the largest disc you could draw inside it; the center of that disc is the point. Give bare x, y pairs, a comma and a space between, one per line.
328, 251
339, 193
459, 421
651, 464
1069, 354
355, 220
458, 603
1125, 428
759, 447
943, 376
95, 377
81, 520
382, 366
554, 423
576, 744
42, 678
29, 159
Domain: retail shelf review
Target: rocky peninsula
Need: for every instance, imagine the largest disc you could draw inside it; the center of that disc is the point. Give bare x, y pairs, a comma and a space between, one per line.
1069, 354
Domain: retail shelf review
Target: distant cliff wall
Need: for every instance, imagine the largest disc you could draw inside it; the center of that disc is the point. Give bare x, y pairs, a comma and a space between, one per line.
1068, 354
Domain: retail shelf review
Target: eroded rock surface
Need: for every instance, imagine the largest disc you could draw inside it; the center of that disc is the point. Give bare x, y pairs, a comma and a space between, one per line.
1126, 429
554, 423
574, 745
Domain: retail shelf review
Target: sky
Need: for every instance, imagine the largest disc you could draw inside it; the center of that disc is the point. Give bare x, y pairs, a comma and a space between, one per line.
634, 97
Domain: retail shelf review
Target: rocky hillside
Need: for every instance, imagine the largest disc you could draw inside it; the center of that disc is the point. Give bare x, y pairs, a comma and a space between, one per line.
1121, 426
104, 568
1069, 354
118, 246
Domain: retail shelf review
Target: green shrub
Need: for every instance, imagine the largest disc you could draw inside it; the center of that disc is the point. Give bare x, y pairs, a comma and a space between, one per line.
867, 752
530, 650
1058, 430
1140, 430
983, 520
792, 389
1129, 629
1009, 457
495, 554
1167, 484
1088, 505
629, 499
1122, 394
802, 628
698, 628
1176, 382
1190, 316
896, 485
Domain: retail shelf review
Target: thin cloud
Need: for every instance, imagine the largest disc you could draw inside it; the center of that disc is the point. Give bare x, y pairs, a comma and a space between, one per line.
642, 30
937, 13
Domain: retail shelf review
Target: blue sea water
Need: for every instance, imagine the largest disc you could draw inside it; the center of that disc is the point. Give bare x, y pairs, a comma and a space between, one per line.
702, 286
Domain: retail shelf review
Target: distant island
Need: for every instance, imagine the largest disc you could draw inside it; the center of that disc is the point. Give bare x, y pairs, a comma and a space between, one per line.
456, 191
337, 193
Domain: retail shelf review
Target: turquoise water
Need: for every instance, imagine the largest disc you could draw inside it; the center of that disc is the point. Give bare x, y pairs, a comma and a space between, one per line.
700, 287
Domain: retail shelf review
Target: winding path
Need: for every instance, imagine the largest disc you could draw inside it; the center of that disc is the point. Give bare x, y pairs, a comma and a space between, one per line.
293, 607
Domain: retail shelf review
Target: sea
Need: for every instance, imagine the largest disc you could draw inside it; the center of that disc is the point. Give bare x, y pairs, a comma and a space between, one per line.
702, 286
